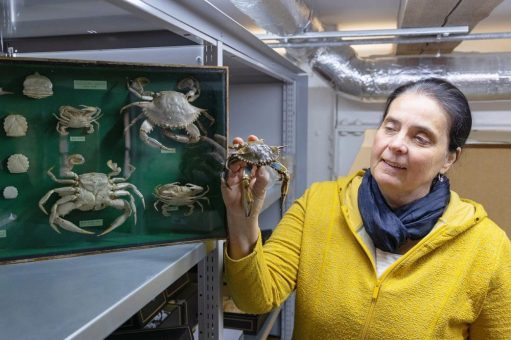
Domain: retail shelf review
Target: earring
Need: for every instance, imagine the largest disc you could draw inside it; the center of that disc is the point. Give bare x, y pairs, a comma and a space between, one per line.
441, 177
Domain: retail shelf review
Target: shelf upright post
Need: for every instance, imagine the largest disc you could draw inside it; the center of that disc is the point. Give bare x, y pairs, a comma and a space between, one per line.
211, 317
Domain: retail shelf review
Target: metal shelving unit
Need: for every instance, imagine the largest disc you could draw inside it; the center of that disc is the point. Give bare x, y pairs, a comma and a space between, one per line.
89, 296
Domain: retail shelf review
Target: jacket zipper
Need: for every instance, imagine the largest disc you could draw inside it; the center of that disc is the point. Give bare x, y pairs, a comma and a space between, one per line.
376, 291
377, 287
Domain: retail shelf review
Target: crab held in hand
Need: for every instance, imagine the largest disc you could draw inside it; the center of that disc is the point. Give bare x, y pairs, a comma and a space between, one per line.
169, 110
256, 153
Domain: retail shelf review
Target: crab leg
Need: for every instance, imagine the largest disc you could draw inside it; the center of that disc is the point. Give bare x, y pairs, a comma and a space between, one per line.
61, 191
247, 198
70, 226
63, 181
61, 208
192, 131
192, 207
124, 193
134, 188
284, 177
145, 130
120, 205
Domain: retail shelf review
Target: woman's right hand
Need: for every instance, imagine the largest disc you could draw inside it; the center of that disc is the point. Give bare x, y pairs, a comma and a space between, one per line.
243, 230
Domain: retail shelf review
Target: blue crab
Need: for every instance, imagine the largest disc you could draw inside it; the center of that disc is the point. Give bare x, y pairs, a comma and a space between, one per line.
256, 153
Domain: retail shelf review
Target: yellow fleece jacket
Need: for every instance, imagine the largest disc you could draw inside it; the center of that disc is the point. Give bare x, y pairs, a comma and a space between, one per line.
454, 284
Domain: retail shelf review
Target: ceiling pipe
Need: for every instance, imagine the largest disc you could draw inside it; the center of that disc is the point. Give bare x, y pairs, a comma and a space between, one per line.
479, 76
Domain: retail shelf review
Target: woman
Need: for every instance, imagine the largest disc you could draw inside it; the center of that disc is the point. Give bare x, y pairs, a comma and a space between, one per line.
386, 253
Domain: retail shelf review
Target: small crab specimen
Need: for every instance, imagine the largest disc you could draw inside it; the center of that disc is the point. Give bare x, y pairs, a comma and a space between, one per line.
176, 195
72, 117
37, 86
15, 125
168, 110
18, 163
256, 153
90, 191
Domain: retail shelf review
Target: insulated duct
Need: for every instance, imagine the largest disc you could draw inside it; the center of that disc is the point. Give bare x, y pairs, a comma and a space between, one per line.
280, 16
479, 76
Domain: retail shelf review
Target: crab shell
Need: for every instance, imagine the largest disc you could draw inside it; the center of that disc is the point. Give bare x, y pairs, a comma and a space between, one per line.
15, 126
17, 163
37, 86
172, 109
10, 192
255, 153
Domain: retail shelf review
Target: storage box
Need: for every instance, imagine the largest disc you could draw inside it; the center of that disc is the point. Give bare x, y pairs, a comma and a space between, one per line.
235, 318
177, 285
79, 149
174, 317
175, 333
188, 301
481, 174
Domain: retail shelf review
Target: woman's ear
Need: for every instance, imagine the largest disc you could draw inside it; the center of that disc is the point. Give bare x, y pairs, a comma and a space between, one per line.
452, 157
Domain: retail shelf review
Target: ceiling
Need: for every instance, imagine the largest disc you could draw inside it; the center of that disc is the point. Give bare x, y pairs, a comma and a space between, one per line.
49, 17
346, 15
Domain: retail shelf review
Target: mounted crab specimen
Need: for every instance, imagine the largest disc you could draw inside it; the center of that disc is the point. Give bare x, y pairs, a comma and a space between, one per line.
91, 191
72, 117
37, 86
256, 153
169, 110
175, 195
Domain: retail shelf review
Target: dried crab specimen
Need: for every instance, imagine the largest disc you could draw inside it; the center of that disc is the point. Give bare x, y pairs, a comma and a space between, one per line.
15, 125
18, 163
256, 153
90, 191
169, 110
73, 117
37, 86
174, 195
10, 192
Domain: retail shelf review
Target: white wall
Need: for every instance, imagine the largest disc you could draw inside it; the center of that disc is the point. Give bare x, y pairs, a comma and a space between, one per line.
321, 126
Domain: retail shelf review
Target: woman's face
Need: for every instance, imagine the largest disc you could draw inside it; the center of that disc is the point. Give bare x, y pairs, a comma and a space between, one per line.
410, 148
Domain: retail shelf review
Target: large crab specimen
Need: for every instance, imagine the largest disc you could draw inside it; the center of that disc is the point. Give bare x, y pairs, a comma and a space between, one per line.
73, 117
173, 195
90, 191
169, 110
256, 153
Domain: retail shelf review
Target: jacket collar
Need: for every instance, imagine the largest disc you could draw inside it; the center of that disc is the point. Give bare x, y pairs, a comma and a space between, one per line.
460, 214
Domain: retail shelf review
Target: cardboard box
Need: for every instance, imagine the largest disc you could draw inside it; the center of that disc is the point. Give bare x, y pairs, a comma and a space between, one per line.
481, 174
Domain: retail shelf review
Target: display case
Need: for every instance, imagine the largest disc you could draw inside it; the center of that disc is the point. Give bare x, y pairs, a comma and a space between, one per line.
99, 156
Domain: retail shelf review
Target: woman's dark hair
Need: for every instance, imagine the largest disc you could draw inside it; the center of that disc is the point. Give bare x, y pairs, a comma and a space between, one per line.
450, 98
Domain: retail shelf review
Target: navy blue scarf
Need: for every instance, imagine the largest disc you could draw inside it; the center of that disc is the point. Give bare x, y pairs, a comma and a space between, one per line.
389, 229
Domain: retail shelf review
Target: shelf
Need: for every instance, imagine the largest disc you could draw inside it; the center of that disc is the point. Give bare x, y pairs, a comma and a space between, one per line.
89, 296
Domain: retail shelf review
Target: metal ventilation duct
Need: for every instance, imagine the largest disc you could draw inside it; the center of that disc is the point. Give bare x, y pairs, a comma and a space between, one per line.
280, 16
479, 76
